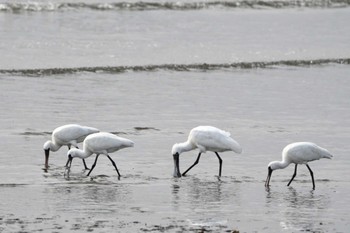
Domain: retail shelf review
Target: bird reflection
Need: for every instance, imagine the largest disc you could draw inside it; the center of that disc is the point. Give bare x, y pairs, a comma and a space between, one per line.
203, 201
295, 199
176, 196
83, 197
195, 192
300, 211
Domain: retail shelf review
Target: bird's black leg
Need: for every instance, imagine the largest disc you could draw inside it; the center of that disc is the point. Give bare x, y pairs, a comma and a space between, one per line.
68, 158
115, 166
86, 168
220, 161
93, 165
197, 160
67, 162
295, 173
312, 176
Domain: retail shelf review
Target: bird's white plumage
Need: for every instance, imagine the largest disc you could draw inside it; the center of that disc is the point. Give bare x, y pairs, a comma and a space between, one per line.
303, 152
70, 134
105, 142
300, 153
208, 138
205, 138
101, 143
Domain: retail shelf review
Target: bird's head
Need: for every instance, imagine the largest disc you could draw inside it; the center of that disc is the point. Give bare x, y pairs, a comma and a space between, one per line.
274, 165
72, 153
270, 168
47, 145
176, 149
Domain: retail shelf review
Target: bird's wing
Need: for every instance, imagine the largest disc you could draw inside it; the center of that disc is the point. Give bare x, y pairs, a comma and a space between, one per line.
305, 154
68, 133
102, 142
212, 140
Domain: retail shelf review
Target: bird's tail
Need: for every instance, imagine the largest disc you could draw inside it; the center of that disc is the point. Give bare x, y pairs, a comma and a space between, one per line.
326, 154
129, 143
236, 147
92, 130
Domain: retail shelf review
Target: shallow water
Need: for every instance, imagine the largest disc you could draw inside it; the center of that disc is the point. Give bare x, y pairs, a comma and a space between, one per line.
264, 110
271, 73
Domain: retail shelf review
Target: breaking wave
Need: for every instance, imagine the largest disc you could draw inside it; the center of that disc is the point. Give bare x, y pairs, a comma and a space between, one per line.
176, 5
175, 67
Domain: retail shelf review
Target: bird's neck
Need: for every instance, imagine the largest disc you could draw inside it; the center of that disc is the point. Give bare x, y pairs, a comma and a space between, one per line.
185, 146
279, 164
81, 153
52, 146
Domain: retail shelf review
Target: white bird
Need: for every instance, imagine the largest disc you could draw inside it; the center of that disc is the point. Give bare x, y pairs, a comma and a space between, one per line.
205, 138
298, 153
69, 135
99, 143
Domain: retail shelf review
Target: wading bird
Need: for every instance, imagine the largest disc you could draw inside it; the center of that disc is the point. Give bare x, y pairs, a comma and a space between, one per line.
205, 138
99, 143
69, 135
298, 153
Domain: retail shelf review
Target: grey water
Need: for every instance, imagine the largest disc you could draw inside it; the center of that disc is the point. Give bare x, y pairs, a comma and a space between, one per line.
271, 73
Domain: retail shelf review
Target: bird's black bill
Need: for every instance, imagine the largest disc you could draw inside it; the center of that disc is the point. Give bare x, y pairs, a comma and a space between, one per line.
47, 152
267, 182
176, 165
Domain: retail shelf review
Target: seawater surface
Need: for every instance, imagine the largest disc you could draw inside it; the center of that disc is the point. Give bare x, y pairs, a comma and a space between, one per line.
269, 72
76, 35
263, 109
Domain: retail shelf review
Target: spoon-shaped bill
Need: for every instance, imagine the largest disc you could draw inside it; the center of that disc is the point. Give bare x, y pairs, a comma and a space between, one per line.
176, 165
267, 182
